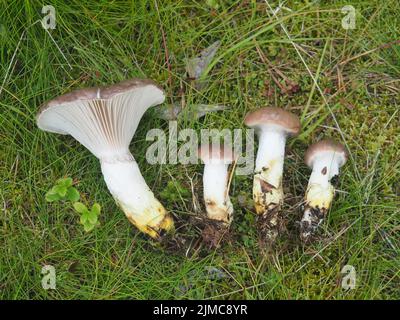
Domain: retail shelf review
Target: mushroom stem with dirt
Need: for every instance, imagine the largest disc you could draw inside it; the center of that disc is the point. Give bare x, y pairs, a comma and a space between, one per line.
104, 120
325, 159
273, 126
216, 182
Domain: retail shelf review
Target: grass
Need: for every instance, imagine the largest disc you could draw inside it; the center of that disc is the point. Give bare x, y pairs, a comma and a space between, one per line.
101, 42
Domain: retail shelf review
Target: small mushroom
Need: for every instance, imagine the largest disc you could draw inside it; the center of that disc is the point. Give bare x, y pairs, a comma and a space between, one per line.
104, 120
215, 182
324, 158
273, 126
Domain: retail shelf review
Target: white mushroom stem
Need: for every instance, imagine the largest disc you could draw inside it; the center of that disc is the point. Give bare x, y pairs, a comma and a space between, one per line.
105, 120
267, 187
319, 192
132, 194
216, 197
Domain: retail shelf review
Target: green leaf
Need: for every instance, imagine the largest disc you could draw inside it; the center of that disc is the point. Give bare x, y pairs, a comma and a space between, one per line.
53, 190
213, 4
92, 217
88, 227
80, 207
96, 209
52, 196
72, 194
83, 219
61, 190
66, 182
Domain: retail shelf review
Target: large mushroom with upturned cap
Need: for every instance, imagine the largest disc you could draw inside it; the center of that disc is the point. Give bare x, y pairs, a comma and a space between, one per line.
216, 182
325, 158
273, 126
104, 120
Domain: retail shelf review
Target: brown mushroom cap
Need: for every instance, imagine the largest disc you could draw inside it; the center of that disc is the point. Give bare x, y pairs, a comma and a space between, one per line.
326, 145
207, 153
272, 116
95, 93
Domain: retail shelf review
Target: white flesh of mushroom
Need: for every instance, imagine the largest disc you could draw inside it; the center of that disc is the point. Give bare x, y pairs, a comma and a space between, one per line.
320, 191
215, 186
267, 187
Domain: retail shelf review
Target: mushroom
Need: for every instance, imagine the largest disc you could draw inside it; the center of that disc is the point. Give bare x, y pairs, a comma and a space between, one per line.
324, 158
104, 120
216, 182
273, 126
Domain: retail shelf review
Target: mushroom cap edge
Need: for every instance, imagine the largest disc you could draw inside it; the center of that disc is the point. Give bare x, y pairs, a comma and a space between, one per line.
274, 116
322, 146
93, 93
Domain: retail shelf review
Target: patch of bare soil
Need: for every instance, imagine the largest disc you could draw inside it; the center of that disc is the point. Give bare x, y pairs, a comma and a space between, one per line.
269, 226
196, 235
215, 233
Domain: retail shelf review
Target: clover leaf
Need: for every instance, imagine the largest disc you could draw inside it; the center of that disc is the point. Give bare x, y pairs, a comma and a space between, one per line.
88, 218
63, 190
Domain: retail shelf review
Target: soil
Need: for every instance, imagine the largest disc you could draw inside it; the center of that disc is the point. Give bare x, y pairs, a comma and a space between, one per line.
310, 228
270, 225
195, 235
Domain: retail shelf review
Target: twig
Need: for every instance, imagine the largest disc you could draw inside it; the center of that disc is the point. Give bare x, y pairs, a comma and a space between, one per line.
383, 46
230, 178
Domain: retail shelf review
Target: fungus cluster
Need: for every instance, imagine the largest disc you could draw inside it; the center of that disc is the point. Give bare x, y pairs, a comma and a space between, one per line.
105, 119
273, 126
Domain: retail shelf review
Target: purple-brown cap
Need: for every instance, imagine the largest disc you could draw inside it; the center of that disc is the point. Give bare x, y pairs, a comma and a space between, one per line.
326, 145
97, 93
207, 153
274, 117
